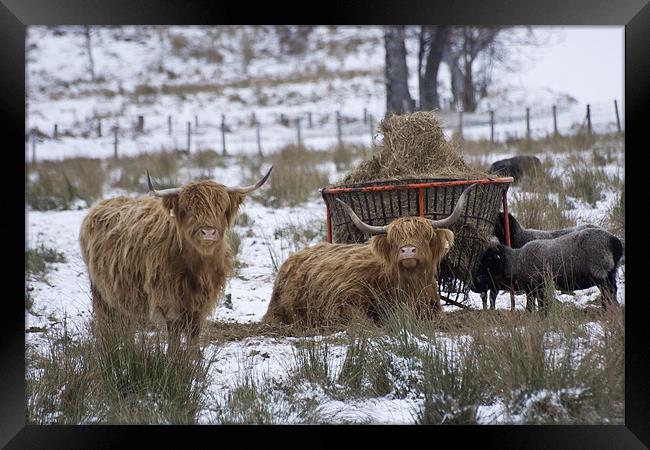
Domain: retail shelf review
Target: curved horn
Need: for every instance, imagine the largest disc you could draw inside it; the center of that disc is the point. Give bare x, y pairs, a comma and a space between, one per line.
455, 215
163, 192
251, 188
360, 224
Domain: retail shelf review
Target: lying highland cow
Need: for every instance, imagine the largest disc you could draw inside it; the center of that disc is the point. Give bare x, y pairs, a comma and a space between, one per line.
162, 258
335, 283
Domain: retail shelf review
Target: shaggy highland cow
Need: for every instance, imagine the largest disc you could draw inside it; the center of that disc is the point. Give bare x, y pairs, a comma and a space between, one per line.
335, 283
163, 258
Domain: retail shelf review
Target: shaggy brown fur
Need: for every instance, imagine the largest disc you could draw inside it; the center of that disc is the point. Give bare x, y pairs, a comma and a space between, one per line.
147, 260
334, 283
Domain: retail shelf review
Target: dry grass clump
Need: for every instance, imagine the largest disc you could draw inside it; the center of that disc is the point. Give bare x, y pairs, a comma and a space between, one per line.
617, 215
296, 176
131, 170
540, 212
414, 145
57, 184
79, 379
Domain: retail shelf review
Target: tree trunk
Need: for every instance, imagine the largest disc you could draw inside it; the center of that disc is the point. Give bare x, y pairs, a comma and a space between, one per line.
457, 78
429, 92
469, 97
398, 97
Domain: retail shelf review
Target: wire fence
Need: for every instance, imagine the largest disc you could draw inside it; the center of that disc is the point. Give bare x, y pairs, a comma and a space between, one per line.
248, 133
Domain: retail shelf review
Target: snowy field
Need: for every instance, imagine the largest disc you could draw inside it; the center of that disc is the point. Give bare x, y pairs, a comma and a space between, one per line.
58, 94
66, 294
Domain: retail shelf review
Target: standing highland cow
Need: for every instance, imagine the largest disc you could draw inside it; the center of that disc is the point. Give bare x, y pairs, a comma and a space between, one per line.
334, 283
163, 258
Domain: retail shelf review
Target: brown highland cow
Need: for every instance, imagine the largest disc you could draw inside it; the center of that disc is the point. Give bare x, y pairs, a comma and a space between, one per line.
163, 258
329, 284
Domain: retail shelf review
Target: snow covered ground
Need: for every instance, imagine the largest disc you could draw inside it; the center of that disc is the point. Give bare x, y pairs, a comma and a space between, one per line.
65, 294
57, 63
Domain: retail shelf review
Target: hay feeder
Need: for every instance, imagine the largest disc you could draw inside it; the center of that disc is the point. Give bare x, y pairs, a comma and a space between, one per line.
380, 202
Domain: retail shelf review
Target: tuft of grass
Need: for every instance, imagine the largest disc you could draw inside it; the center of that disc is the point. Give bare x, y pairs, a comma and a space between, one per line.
584, 181
617, 214
296, 176
58, 184
234, 240
37, 260
206, 159
82, 380
131, 171
539, 211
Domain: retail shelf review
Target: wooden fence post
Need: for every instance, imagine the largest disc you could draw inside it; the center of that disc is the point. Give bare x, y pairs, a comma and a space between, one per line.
339, 134
196, 123
223, 134
527, 123
555, 133
298, 131
492, 127
372, 129
365, 115
618, 119
169, 125
115, 140
259, 141
56, 131
588, 118
140, 124
189, 136
99, 128
460, 123
309, 123
253, 119
33, 136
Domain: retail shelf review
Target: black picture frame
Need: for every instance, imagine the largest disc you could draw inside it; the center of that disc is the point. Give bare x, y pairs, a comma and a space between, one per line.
634, 15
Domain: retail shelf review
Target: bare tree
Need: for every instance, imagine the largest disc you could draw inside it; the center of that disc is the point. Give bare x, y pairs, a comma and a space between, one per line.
433, 41
398, 97
473, 53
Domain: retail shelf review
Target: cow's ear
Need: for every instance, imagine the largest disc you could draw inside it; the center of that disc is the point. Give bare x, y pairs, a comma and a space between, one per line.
236, 199
379, 245
441, 242
171, 205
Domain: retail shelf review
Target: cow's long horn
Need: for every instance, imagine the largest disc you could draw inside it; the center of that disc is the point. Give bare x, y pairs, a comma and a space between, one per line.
360, 224
251, 188
458, 210
162, 192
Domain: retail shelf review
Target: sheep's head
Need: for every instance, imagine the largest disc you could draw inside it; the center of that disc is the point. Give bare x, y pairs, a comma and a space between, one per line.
492, 268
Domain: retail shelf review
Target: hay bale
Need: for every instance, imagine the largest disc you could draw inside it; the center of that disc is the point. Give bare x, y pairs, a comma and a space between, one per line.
413, 145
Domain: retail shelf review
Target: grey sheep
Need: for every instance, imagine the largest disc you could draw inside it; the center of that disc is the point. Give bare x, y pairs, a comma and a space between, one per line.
519, 236
578, 260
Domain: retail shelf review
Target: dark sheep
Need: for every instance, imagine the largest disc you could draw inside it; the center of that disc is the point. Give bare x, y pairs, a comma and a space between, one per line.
519, 236
517, 166
578, 260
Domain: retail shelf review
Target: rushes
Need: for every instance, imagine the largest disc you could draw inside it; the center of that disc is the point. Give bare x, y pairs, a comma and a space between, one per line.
82, 380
